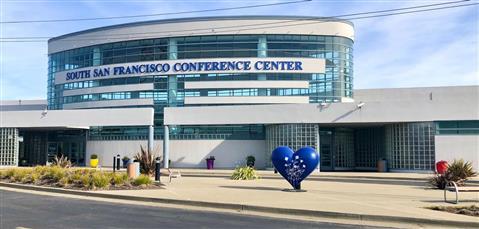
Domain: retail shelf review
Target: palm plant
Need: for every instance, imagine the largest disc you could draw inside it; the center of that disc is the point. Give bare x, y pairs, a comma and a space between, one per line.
62, 162
459, 171
146, 158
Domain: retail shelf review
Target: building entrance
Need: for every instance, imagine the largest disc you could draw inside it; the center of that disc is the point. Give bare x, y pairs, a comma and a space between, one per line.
39, 147
325, 149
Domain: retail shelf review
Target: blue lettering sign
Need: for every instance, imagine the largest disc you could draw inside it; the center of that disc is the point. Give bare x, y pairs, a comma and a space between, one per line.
201, 66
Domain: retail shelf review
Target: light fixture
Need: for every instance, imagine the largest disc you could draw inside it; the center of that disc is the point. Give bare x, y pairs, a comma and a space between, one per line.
44, 112
360, 105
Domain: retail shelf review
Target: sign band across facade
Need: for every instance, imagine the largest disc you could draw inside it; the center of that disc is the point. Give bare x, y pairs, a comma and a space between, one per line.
202, 66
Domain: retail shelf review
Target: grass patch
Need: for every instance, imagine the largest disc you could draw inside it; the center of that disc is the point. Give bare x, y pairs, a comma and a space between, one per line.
119, 179
472, 210
78, 178
142, 180
100, 180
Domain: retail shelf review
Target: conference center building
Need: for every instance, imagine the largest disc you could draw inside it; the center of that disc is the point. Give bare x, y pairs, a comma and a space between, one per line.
231, 87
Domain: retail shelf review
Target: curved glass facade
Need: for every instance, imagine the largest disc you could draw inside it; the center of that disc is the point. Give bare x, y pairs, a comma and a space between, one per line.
331, 86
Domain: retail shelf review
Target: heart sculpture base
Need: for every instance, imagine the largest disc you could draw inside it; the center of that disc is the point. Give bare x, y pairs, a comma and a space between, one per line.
293, 190
295, 166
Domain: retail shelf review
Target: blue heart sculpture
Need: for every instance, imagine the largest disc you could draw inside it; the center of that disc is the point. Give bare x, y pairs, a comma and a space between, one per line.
295, 166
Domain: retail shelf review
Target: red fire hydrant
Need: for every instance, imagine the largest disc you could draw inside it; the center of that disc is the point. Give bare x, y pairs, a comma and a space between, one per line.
441, 167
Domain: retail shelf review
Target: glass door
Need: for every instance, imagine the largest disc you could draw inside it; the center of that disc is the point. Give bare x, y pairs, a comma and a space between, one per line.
52, 150
325, 142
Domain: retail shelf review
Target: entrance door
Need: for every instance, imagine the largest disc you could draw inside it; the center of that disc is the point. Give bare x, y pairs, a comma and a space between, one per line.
52, 151
326, 155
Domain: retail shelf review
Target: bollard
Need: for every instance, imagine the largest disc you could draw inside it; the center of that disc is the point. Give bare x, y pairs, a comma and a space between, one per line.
157, 169
114, 163
118, 162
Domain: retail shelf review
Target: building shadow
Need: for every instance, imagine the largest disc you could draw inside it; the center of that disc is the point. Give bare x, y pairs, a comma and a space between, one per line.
253, 188
373, 181
450, 199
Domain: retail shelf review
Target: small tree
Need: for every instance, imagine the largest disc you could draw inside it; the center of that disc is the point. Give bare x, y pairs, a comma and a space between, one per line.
147, 160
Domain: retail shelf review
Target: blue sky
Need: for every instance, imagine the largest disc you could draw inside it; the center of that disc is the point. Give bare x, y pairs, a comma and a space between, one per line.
437, 48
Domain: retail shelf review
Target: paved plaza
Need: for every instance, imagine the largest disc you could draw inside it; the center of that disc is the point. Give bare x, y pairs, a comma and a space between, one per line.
383, 194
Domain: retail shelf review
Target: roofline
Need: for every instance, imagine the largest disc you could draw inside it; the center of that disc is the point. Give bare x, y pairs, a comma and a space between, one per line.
194, 19
419, 87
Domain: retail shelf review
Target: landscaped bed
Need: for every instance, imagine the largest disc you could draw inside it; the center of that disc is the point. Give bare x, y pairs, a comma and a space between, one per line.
75, 178
471, 210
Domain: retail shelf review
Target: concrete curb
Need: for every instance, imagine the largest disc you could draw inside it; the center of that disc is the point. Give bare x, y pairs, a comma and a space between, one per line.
312, 177
242, 207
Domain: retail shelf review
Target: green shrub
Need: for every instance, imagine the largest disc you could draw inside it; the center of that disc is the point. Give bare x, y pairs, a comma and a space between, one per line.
86, 181
55, 173
34, 177
3, 174
119, 179
244, 173
65, 181
9, 173
100, 180
62, 177
76, 176
41, 170
94, 156
19, 174
142, 180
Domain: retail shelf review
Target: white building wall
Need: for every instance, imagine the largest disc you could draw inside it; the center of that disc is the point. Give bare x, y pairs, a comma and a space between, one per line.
106, 150
228, 153
185, 153
450, 147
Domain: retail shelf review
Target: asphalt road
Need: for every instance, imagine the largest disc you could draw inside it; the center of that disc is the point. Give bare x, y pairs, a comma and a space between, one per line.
39, 211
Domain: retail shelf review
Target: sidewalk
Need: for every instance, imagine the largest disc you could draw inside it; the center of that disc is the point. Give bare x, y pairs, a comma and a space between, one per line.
387, 199
334, 192
315, 174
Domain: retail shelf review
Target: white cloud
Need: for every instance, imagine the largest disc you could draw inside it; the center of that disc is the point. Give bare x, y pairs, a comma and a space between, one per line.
426, 49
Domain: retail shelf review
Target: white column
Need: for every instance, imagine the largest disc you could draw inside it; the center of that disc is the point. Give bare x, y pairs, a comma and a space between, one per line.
151, 140
166, 147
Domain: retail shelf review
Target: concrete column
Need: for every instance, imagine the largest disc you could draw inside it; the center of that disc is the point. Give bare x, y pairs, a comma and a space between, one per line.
172, 79
262, 46
166, 147
96, 57
151, 138
262, 52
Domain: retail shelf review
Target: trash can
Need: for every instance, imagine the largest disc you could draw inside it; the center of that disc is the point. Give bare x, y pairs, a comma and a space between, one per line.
382, 165
441, 167
210, 162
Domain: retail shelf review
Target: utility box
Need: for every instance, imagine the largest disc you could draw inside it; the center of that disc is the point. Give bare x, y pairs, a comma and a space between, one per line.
133, 169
